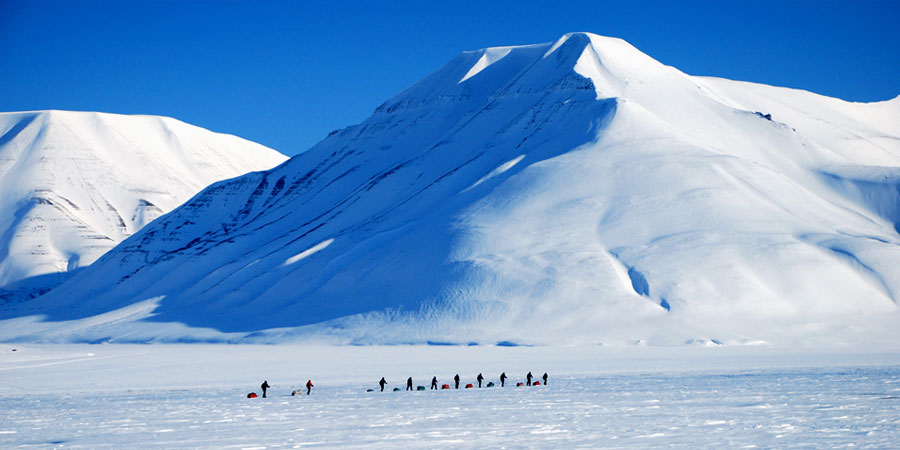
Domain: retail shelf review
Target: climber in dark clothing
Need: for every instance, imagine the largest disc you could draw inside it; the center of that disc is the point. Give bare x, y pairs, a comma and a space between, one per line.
264, 386
502, 379
545, 378
409, 384
434, 382
382, 383
309, 386
456, 380
480, 379
529, 377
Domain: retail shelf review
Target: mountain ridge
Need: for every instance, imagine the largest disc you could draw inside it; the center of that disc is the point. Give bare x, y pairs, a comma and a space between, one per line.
519, 200
75, 183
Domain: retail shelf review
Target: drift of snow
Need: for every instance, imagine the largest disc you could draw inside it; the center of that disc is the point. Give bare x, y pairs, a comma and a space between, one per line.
309, 251
75, 184
570, 192
488, 57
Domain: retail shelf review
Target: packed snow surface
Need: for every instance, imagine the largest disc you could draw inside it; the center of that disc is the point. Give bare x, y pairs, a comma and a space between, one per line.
194, 396
75, 184
577, 191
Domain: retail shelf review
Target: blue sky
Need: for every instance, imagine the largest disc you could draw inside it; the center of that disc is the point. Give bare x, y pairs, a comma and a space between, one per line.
284, 74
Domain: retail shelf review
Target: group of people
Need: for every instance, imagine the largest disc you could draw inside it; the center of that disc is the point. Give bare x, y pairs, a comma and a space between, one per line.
265, 386
529, 381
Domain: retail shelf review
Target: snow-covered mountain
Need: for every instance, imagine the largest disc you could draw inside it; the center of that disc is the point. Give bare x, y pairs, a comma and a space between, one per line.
573, 191
75, 184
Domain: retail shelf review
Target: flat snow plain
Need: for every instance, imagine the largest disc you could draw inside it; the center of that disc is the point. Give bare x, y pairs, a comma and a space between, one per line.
193, 396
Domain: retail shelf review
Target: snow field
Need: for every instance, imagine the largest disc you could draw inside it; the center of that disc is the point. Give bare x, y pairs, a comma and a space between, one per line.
183, 396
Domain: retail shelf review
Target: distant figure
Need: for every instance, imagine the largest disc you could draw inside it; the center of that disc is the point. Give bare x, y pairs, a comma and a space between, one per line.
545, 378
309, 386
480, 379
503, 379
456, 380
528, 378
409, 384
264, 386
382, 383
434, 382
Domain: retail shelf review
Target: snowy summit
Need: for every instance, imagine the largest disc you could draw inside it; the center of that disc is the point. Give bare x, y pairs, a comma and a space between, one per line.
577, 191
75, 184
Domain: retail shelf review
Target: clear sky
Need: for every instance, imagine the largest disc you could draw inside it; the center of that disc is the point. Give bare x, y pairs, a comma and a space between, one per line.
284, 74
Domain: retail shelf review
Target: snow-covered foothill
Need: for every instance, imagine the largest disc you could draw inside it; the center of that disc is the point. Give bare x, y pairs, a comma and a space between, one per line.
75, 184
577, 191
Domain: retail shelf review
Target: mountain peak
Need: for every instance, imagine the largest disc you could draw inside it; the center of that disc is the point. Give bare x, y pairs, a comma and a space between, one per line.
581, 39
576, 61
73, 184
570, 191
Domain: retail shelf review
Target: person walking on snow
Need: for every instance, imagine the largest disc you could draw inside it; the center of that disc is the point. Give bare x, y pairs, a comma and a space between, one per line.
382, 383
545, 378
309, 386
456, 380
434, 382
264, 386
409, 384
480, 379
529, 377
503, 379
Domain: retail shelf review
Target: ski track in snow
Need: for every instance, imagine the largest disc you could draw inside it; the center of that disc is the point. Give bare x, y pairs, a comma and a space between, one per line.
639, 400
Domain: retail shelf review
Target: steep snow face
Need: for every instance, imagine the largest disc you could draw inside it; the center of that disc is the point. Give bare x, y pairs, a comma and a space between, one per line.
75, 184
574, 191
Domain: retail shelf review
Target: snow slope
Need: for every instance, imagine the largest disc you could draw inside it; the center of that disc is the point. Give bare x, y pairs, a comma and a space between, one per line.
574, 191
75, 184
